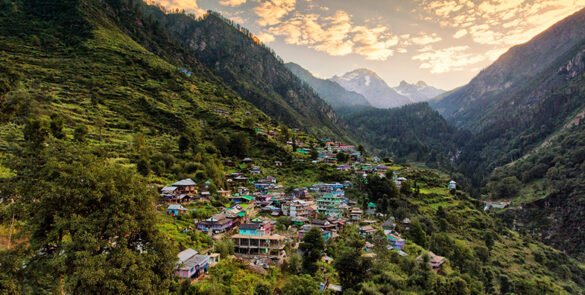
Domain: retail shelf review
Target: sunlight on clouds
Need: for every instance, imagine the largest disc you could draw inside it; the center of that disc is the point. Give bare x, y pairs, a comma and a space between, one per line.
455, 58
232, 3
375, 43
460, 34
426, 39
189, 6
337, 35
271, 12
266, 37
500, 22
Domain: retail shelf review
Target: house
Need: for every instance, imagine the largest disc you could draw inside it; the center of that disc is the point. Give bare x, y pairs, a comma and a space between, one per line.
214, 259
344, 168
224, 193
300, 193
185, 72
324, 224
389, 224
170, 191
299, 221
268, 179
255, 170
174, 194
185, 186
330, 205
191, 265
371, 208
277, 163
381, 168
263, 187
176, 209
452, 185
217, 223
250, 246
255, 229
356, 214
496, 205
335, 289
395, 240
296, 208
367, 230
435, 261
237, 199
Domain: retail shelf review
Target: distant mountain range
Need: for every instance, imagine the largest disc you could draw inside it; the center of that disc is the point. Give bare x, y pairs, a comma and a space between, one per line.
418, 92
372, 87
331, 92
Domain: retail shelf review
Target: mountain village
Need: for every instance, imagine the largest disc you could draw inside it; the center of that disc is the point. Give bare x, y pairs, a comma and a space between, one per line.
265, 222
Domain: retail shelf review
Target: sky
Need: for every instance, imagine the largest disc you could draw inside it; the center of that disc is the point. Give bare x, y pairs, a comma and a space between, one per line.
444, 43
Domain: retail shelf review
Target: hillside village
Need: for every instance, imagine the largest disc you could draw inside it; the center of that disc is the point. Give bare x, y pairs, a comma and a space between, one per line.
266, 221
150, 151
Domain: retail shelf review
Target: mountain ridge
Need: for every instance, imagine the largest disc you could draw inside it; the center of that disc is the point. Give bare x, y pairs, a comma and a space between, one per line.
330, 91
418, 92
372, 87
251, 70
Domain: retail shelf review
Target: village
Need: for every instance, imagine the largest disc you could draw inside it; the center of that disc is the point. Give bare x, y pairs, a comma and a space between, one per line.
257, 205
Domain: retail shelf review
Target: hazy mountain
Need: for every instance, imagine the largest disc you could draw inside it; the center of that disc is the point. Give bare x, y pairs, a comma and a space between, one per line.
330, 91
373, 88
418, 92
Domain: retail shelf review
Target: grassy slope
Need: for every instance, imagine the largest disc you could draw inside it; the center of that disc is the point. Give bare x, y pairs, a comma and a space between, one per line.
110, 77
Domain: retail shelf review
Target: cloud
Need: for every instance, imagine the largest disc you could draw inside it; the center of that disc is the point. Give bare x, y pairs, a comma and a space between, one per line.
189, 6
450, 59
460, 34
232, 3
499, 22
374, 43
337, 35
266, 37
424, 39
270, 12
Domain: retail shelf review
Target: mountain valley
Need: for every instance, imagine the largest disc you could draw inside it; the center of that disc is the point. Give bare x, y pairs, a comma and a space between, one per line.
146, 150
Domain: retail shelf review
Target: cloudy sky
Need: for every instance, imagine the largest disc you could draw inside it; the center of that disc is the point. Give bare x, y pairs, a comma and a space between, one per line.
444, 43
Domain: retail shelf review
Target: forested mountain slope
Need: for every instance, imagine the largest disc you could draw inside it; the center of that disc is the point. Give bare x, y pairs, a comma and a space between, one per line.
84, 110
525, 109
549, 185
412, 133
514, 77
524, 97
248, 68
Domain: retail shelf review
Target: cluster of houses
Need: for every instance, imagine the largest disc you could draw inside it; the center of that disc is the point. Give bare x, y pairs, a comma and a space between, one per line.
254, 208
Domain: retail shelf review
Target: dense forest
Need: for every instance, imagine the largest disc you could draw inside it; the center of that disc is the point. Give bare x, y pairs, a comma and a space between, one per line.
412, 133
